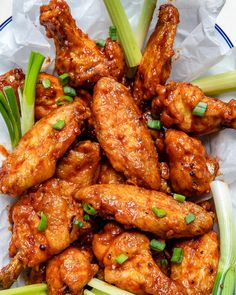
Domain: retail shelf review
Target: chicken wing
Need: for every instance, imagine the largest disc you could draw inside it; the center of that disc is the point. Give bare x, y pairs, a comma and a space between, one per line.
139, 273
198, 269
13, 78
76, 53
34, 158
133, 206
81, 165
123, 135
155, 65
71, 269
191, 168
176, 102
108, 175
31, 245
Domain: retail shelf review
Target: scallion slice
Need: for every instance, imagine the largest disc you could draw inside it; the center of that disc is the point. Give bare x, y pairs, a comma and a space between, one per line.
69, 91
101, 42
121, 258
79, 223
156, 245
89, 209
63, 100
178, 255
46, 83
179, 198
113, 33
59, 125
189, 218
64, 79
43, 221
86, 217
159, 212
200, 109
154, 124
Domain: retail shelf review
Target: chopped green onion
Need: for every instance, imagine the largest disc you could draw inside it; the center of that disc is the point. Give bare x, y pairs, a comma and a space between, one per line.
46, 83
69, 91
107, 288
178, 255
36, 289
78, 223
89, 209
101, 42
43, 222
200, 109
189, 218
64, 79
164, 262
144, 21
113, 33
226, 274
154, 124
121, 258
86, 217
126, 36
216, 84
179, 198
59, 125
157, 245
159, 212
27, 103
63, 99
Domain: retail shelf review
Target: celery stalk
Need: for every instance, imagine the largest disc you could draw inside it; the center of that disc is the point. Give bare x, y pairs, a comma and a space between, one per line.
144, 21
126, 36
98, 292
36, 289
216, 84
107, 288
87, 292
225, 277
8, 124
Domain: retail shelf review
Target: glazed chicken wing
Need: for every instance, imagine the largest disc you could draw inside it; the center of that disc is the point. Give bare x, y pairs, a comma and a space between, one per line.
31, 244
108, 175
155, 65
139, 273
13, 78
133, 206
191, 168
198, 269
76, 53
123, 135
81, 165
71, 269
34, 158
176, 102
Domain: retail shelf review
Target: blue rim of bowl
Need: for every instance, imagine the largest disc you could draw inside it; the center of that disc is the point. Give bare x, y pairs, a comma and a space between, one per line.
217, 27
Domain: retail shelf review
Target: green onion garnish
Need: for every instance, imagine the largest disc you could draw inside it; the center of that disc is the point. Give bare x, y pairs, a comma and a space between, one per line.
159, 212
46, 83
189, 218
69, 91
154, 124
43, 222
164, 262
36, 289
64, 79
200, 109
113, 33
89, 209
8, 123
179, 198
78, 223
178, 255
86, 217
101, 42
63, 100
157, 245
121, 258
59, 125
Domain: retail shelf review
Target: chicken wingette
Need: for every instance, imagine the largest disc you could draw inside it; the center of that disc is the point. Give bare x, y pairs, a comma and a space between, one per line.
176, 102
34, 158
123, 134
138, 273
191, 168
135, 207
76, 53
155, 65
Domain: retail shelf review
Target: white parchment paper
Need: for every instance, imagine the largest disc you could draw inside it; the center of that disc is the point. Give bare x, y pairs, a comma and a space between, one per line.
197, 47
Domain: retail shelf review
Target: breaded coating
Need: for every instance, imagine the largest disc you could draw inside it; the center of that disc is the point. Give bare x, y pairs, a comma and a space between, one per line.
71, 269
198, 269
81, 165
34, 158
133, 206
76, 53
33, 246
13, 78
108, 175
176, 102
139, 273
155, 65
191, 168
123, 134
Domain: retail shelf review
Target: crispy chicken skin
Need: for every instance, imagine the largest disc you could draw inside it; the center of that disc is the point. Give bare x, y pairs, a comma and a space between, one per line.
29, 245
13, 78
132, 206
155, 65
191, 168
71, 269
139, 273
81, 165
198, 269
108, 175
123, 135
176, 102
34, 158
76, 53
